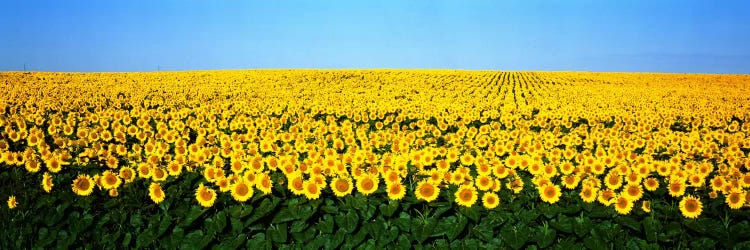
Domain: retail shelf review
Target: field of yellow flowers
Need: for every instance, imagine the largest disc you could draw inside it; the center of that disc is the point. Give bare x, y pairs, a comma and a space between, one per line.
374, 158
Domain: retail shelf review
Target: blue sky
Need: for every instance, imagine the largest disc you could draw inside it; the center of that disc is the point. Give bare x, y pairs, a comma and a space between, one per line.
654, 36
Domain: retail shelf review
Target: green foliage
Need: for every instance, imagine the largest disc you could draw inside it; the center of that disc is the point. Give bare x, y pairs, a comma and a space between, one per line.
283, 221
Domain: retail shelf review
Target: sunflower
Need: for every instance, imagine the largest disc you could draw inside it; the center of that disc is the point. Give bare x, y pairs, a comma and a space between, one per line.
623, 205
241, 191
632, 191
263, 183
651, 184
691, 207
426, 191
312, 190
676, 188
155, 192
484, 182
12, 203
735, 200
646, 206
367, 184
296, 183
588, 194
224, 185
174, 168
490, 200
113, 192
47, 182
342, 186
159, 174
466, 195
550, 193
83, 185
606, 197
205, 196
127, 174
110, 180
396, 191
144, 171
54, 165
613, 181
571, 181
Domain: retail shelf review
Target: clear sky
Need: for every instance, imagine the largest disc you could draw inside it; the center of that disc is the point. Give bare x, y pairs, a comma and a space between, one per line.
655, 36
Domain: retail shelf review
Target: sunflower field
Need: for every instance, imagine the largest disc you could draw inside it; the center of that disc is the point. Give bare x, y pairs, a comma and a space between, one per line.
277, 159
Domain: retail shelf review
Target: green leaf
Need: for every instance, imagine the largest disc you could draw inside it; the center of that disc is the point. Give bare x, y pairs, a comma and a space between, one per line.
352, 241
126, 240
403, 242
195, 240
191, 216
286, 214
265, 207
563, 224
651, 229
216, 224
278, 233
164, 224
454, 229
516, 236
482, 232
232, 242
348, 222
305, 235
470, 212
239, 211
298, 226
703, 243
582, 226
325, 225
423, 230
629, 222
594, 243
258, 241
544, 238
388, 209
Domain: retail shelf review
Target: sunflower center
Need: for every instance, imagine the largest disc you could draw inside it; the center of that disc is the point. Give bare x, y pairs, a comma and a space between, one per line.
367, 184
205, 195
241, 189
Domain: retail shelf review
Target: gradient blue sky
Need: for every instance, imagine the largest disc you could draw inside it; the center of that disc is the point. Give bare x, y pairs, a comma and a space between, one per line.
655, 36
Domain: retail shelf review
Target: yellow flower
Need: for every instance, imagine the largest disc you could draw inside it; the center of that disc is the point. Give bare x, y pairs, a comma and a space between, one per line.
47, 182
367, 184
646, 206
110, 180
12, 203
312, 190
490, 200
241, 191
426, 191
396, 191
550, 193
155, 192
83, 185
735, 200
466, 195
296, 183
127, 174
676, 188
691, 207
205, 196
623, 205
263, 183
632, 192
484, 182
588, 194
342, 186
